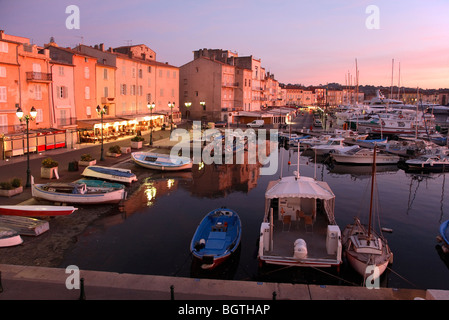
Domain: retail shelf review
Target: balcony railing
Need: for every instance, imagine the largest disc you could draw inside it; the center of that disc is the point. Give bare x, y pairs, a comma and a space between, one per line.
39, 76
230, 84
60, 122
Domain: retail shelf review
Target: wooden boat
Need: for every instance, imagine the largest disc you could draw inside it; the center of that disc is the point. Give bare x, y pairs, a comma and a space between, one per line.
363, 156
217, 237
79, 192
109, 173
364, 248
36, 210
444, 232
159, 161
9, 237
25, 226
299, 227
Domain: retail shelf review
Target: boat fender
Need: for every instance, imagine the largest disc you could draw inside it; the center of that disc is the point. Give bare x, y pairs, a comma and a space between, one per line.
200, 244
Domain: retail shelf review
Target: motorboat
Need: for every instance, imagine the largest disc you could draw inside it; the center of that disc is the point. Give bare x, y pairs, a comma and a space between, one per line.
428, 163
333, 144
217, 237
87, 192
110, 173
299, 227
159, 161
363, 156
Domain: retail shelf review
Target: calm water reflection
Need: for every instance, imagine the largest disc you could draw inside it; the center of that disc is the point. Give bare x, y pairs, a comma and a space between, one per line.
153, 235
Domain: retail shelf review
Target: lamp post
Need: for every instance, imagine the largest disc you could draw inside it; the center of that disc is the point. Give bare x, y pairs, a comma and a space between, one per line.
187, 104
27, 118
101, 112
151, 107
171, 106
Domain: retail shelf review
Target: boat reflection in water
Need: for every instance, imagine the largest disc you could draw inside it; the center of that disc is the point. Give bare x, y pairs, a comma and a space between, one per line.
360, 172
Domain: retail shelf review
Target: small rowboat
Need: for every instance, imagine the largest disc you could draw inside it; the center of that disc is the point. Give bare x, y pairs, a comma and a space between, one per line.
159, 161
109, 173
79, 192
444, 232
217, 237
9, 237
36, 210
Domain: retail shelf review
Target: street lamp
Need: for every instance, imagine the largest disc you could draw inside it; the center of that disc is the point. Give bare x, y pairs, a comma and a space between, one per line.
151, 107
171, 106
187, 104
101, 112
27, 118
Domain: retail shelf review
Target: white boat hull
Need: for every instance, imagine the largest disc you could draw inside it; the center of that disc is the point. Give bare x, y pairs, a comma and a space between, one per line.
9, 237
168, 164
351, 159
90, 172
93, 198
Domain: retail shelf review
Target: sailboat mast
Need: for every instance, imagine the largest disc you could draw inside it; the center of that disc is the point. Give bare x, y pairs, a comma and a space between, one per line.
372, 190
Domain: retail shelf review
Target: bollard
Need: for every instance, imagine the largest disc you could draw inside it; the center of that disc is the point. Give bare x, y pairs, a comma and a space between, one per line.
172, 292
82, 294
1, 287
274, 295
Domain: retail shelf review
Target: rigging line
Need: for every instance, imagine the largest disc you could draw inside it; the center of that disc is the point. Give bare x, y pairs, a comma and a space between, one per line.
409, 282
337, 277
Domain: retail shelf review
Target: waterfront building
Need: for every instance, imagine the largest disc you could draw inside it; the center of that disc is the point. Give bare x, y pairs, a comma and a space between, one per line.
139, 79
220, 85
84, 77
25, 81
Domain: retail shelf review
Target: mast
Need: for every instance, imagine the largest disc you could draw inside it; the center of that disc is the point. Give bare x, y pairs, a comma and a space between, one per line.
373, 173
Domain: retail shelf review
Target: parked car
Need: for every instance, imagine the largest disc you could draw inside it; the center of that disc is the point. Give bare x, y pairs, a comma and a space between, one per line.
317, 123
255, 124
220, 124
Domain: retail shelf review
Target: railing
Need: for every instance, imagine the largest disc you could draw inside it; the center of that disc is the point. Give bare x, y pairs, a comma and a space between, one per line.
38, 76
230, 84
65, 122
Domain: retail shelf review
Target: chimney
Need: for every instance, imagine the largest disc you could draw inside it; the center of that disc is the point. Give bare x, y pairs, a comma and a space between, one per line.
102, 46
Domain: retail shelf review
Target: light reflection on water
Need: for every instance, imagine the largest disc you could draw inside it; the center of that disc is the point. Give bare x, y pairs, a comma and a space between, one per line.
153, 235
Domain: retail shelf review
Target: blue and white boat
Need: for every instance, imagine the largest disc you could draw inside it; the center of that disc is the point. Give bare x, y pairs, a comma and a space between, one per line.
160, 161
217, 237
80, 192
109, 173
444, 232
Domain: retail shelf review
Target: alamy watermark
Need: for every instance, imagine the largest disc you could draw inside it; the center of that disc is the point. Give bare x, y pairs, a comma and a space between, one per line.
373, 20
73, 280
372, 280
212, 146
73, 20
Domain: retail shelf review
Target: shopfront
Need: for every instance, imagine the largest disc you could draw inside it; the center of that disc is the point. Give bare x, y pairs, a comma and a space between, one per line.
40, 140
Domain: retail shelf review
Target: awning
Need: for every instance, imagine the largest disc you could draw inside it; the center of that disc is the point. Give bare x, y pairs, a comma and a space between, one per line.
303, 187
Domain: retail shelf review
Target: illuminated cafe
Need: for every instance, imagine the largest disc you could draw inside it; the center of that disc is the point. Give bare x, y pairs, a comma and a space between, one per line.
40, 140
89, 131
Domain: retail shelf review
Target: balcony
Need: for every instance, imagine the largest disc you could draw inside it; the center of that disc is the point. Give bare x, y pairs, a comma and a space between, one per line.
230, 84
107, 100
38, 76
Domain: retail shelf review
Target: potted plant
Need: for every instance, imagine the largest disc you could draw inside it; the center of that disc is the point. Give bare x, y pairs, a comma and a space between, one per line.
114, 151
11, 188
86, 160
49, 169
137, 142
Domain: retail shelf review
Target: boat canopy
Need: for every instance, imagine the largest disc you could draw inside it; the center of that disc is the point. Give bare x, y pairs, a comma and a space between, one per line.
303, 187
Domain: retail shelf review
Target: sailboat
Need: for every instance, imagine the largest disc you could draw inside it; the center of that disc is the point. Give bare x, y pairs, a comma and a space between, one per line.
363, 247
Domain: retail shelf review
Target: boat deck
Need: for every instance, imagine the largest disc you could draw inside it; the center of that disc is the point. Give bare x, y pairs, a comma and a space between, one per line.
314, 236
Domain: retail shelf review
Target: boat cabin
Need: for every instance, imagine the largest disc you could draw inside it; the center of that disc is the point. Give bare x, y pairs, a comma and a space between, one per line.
299, 227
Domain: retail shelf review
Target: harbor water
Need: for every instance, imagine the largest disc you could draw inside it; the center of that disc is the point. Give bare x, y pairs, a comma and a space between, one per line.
153, 232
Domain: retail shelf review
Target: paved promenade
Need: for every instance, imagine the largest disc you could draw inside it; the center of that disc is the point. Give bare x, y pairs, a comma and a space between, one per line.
39, 283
